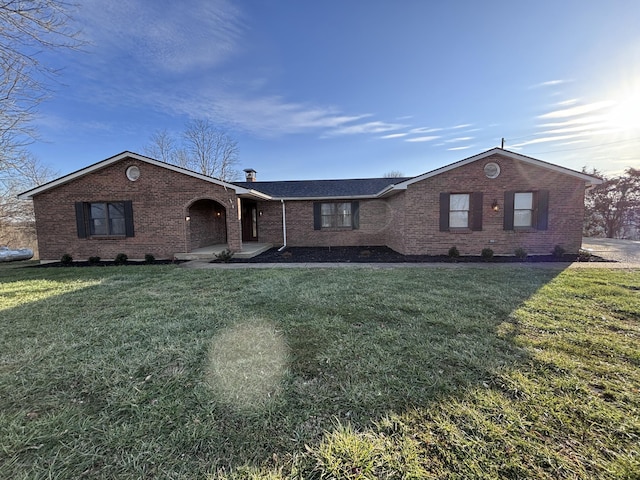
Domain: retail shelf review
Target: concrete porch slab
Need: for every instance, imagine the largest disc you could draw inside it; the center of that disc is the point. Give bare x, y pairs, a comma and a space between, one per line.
249, 250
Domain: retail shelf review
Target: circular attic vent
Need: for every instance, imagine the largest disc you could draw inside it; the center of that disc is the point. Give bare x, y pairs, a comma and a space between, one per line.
133, 173
492, 170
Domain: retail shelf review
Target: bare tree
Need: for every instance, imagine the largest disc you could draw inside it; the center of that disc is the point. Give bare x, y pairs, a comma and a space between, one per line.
204, 148
393, 174
162, 147
17, 221
211, 149
27, 29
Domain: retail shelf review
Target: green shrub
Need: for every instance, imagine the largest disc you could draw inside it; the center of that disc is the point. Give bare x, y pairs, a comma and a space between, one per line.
66, 259
149, 258
584, 255
520, 253
121, 259
225, 255
94, 260
558, 251
454, 252
486, 254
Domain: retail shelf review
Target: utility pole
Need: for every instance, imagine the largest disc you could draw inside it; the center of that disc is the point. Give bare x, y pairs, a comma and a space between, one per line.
502, 145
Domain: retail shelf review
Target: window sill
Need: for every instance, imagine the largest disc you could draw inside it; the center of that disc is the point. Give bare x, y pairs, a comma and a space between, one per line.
336, 229
106, 237
525, 229
460, 230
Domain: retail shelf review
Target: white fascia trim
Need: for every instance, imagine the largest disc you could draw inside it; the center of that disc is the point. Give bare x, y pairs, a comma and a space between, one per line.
28, 195
254, 194
505, 153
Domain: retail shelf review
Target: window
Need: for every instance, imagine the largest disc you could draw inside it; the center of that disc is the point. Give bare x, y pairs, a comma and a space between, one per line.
526, 210
341, 215
104, 219
523, 209
459, 210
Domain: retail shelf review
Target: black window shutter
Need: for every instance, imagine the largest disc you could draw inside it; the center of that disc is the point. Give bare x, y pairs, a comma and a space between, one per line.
128, 218
508, 210
81, 224
317, 216
476, 211
355, 215
444, 212
542, 206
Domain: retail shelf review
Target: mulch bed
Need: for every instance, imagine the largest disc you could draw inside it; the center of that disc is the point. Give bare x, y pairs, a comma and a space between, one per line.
346, 255
386, 255
106, 263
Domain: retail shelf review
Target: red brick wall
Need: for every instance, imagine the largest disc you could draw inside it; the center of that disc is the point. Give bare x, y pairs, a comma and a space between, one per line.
566, 200
408, 222
161, 200
375, 216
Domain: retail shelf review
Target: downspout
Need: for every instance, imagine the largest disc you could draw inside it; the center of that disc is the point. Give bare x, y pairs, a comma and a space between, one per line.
284, 227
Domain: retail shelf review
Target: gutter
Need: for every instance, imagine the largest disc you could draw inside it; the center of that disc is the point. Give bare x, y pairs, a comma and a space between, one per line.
284, 226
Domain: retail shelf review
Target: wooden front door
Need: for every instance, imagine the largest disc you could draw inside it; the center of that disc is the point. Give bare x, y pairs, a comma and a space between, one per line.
249, 221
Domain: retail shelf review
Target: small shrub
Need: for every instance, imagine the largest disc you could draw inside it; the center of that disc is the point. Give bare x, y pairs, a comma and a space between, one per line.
66, 259
520, 253
149, 258
558, 251
486, 254
94, 260
225, 255
584, 255
454, 252
121, 259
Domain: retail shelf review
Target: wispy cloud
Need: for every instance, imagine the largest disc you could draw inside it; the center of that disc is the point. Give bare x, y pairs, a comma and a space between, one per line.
549, 83
421, 130
361, 128
458, 139
453, 149
579, 110
463, 125
171, 38
394, 135
422, 139
550, 139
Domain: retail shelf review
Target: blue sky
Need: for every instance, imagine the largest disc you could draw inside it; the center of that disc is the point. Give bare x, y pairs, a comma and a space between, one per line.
352, 88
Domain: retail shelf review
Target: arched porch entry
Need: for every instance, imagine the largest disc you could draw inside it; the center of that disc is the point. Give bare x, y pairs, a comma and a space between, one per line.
206, 224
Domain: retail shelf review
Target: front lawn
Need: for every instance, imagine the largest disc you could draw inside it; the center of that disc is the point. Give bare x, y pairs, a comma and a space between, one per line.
163, 372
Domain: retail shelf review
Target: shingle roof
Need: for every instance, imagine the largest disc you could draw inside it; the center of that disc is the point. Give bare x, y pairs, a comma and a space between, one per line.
359, 187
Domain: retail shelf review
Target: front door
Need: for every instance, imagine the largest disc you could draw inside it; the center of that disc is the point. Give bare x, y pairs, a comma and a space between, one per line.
249, 221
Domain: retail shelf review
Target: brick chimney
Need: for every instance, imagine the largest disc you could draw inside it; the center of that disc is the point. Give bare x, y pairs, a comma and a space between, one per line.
250, 174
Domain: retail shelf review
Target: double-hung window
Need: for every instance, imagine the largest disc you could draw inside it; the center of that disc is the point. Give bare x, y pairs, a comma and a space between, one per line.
523, 209
104, 219
459, 210
526, 211
335, 215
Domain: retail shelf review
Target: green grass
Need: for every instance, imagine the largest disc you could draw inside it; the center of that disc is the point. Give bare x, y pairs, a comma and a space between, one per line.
162, 372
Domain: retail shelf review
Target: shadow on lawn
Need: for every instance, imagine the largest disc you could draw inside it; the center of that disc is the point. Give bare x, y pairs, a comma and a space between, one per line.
299, 351
354, 356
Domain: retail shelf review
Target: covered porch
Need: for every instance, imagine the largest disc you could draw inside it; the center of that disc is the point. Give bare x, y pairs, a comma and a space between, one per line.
209, 252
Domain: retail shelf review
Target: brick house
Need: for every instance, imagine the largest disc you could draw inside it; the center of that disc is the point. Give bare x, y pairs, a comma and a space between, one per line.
137, 205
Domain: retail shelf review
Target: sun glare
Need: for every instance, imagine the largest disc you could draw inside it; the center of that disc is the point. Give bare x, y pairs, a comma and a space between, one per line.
624, 116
